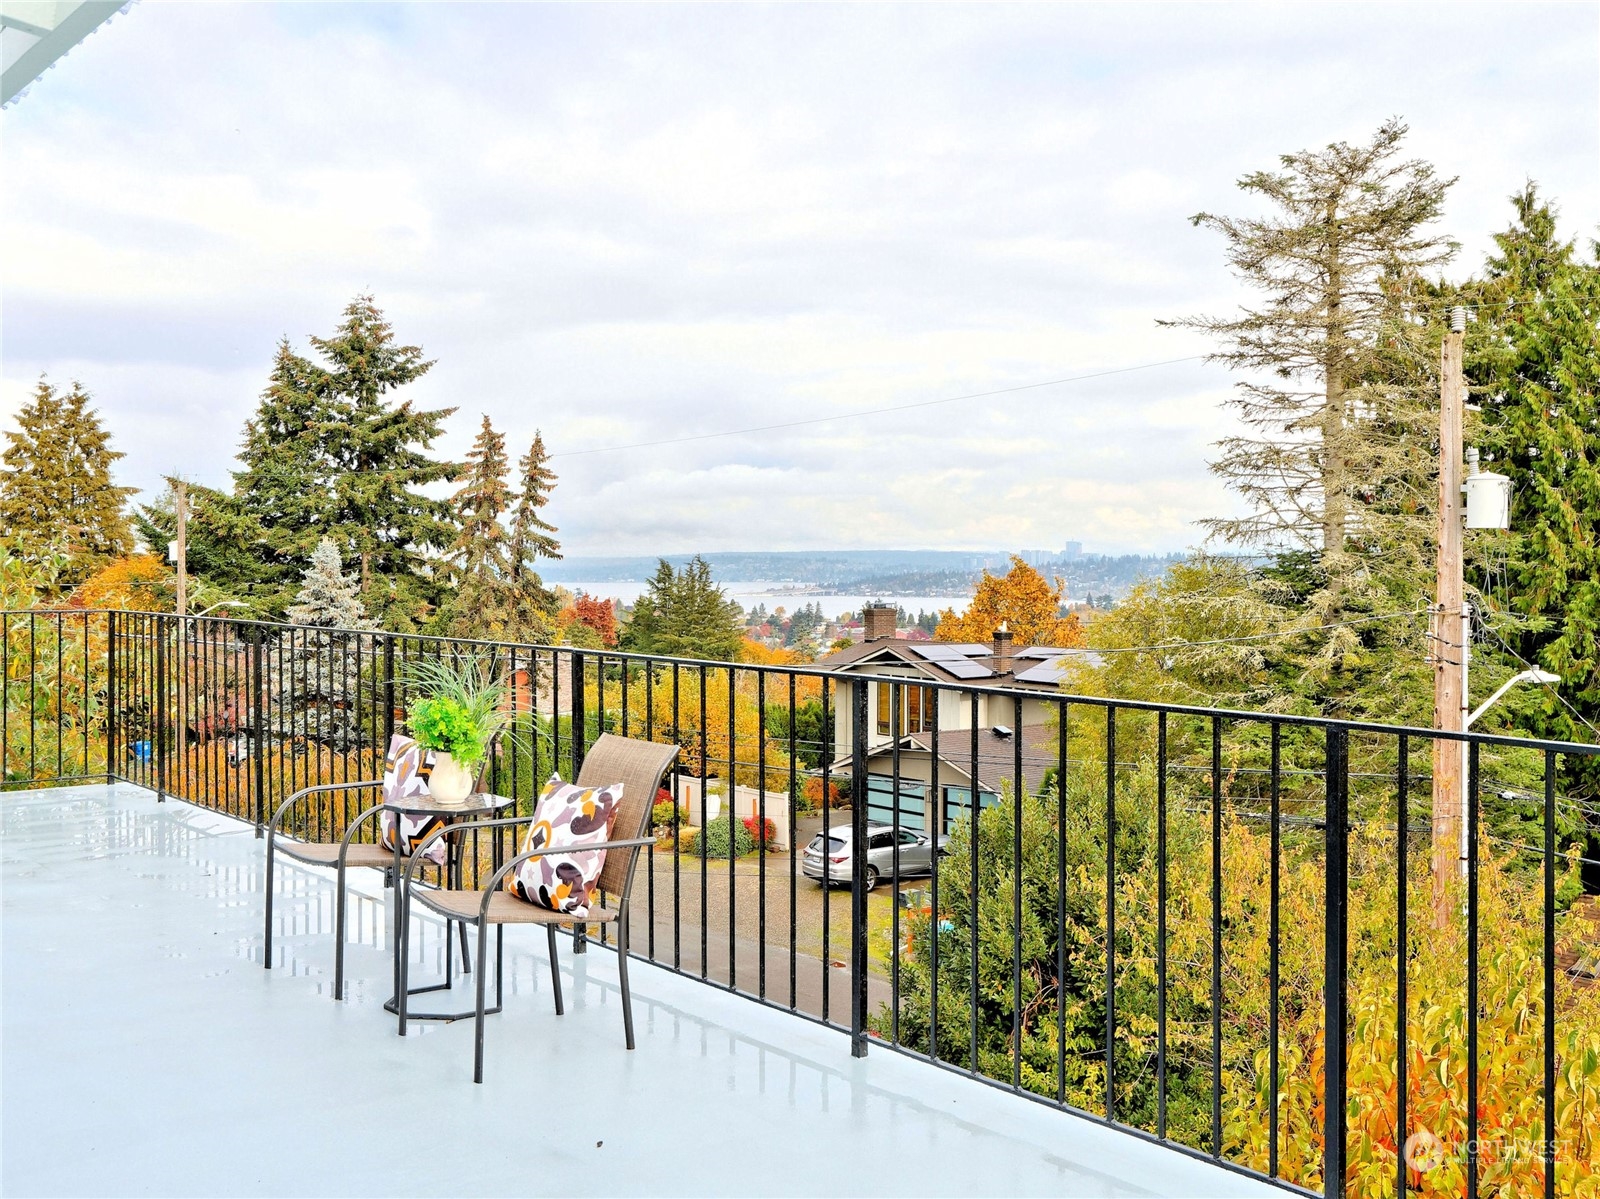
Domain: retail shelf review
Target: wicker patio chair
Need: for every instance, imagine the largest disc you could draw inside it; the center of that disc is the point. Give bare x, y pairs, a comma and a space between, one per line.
342, 855
639, 766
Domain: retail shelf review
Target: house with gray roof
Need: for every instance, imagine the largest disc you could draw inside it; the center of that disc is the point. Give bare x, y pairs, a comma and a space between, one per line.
930, 744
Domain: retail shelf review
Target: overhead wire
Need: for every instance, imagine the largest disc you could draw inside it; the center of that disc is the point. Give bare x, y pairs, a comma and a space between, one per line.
1561, 699
1284, 632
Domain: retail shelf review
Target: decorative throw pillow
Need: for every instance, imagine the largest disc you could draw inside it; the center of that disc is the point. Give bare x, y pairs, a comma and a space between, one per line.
567, 817
405, 774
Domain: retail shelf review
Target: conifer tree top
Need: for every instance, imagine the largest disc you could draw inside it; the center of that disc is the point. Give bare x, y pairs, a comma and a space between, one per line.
328, 597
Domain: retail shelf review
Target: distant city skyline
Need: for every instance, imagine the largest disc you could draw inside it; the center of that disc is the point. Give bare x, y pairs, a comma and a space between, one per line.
636, 225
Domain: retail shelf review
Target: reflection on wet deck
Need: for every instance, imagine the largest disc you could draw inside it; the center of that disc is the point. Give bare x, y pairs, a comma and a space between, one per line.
147, 1052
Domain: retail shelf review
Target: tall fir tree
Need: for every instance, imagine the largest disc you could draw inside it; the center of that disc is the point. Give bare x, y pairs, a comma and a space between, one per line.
1533, 362
316, 671
328, 452
56, 490
281, 502
481, 545
532, 538
484, 602
1331, 420
382, 457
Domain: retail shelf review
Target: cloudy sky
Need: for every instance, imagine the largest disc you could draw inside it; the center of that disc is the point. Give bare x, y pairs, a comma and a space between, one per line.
635, 224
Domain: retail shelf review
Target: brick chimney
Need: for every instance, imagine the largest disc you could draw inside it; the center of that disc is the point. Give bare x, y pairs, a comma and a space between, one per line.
1002, 649
877, 622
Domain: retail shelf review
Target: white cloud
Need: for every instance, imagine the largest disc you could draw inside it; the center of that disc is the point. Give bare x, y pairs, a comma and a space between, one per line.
625, 225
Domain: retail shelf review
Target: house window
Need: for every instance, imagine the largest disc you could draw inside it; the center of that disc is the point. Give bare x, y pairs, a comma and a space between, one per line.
917, 708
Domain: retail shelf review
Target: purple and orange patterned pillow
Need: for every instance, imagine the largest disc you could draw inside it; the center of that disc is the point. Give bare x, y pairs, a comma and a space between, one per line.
567, 817
405, 774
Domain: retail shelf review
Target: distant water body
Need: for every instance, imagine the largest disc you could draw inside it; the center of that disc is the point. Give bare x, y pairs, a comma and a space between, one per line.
775, 595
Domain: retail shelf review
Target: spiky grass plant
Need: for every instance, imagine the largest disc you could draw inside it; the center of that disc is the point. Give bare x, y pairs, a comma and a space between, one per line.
465, 704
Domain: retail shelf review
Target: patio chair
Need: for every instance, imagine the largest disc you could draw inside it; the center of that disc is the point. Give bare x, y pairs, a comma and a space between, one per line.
639, 766
405, 773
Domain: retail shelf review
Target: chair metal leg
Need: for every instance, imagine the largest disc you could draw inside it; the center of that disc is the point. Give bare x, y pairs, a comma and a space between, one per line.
477, 1048
555, 969
622, 975
271, 842
466, 961
402, 943
499, 965
338, 932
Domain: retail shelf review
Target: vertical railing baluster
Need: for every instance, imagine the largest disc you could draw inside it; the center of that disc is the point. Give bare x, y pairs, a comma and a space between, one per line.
111, 699
1216, 936
1472, 970
1111, 912
731, 788
1402, 955
1548, 1150
858, 866
1274, 949
162, 714
1335, 898
794, 834
1161, 924
761, 831
258, 704
973, 812
939, 829
1018, 787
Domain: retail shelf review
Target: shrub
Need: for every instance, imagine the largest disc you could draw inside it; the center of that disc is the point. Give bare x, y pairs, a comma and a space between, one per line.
761, 832
687, 838
837, 794
661, 815
716, 837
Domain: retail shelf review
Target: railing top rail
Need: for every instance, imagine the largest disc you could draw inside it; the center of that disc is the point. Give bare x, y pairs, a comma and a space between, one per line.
1058, 699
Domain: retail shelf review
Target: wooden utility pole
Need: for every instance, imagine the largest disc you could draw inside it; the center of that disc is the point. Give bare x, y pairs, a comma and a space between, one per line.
180, 492
1449, 654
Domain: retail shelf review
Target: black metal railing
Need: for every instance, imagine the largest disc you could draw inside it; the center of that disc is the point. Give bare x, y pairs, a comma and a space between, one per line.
1143, 913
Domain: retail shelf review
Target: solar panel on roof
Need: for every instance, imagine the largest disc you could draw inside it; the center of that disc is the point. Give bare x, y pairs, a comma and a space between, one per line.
1041, 651
963, 669
1048, 671
935, 651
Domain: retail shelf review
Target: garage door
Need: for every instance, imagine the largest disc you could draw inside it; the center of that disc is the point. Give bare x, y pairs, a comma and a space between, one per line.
882, 802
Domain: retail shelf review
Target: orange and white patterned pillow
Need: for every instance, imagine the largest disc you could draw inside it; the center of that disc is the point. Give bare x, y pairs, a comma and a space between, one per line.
567, 817
405, 774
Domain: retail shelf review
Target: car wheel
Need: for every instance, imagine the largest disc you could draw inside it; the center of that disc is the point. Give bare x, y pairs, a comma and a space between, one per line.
870, 878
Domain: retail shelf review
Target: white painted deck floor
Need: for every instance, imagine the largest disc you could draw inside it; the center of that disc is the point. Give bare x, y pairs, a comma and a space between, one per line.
145, 1052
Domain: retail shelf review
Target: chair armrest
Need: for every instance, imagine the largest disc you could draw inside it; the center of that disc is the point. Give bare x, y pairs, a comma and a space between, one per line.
350, 829
272, 825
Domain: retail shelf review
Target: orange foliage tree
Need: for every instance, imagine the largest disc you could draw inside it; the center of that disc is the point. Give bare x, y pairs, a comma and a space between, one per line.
137, 583
599, 615
1029, 606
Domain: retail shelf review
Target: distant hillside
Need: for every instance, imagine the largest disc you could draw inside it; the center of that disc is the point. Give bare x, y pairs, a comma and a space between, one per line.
890, 572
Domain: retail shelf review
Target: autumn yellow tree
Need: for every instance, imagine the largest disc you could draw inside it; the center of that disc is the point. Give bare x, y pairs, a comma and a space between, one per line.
138, 583
1029, 606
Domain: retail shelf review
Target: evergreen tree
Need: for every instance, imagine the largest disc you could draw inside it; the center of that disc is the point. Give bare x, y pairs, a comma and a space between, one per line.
316, 672
380, 451
328, 453
1340, 422
532, 538
484, 603
480, 547
684, 614
1534, 364
56, 493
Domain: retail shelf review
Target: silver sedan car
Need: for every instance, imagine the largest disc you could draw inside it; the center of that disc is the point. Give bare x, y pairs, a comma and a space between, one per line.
828, 858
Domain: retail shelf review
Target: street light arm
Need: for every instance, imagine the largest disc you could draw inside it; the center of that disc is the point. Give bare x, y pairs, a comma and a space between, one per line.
1525, 676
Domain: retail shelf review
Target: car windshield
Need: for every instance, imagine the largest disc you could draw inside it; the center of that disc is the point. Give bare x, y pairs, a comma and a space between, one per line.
834, 844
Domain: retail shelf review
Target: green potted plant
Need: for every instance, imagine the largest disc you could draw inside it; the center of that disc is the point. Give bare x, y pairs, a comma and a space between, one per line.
462, 708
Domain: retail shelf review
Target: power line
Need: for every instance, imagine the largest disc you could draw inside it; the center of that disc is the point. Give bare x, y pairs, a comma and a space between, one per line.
820, 420
1286, 632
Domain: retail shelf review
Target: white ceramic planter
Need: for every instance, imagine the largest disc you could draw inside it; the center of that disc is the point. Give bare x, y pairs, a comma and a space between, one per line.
450, 782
